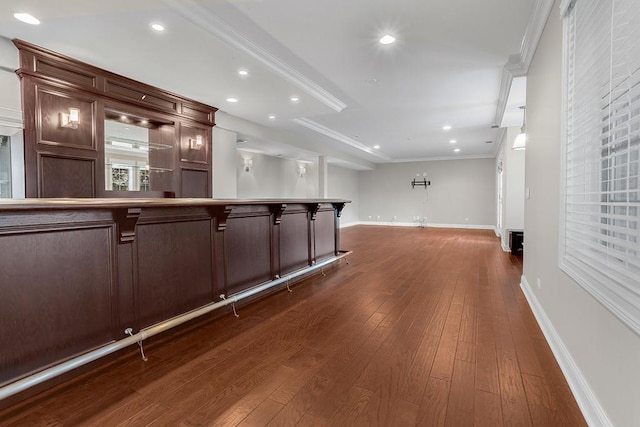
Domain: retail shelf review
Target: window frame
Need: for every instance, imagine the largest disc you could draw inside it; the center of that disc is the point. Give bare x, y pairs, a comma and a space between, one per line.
616, 296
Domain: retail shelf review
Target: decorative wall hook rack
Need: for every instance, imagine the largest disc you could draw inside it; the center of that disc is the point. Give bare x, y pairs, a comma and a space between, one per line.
420, 182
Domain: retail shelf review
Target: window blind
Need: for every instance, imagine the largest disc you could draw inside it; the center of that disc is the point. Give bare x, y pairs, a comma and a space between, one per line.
601, 205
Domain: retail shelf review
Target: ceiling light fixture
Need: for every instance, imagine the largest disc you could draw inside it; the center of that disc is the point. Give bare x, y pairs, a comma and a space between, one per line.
446, 127
457, 150
294, 99
452, 141
272, 116
243, 73
377, 147
157, 27
26, 18
387, 39
232, 100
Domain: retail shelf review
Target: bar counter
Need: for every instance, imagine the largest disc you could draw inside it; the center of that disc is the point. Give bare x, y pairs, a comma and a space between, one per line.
75, 274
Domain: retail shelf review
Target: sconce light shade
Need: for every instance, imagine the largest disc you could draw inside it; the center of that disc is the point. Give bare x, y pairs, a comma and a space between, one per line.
520, 143
71, 119
248, 164
196, 144
302, 170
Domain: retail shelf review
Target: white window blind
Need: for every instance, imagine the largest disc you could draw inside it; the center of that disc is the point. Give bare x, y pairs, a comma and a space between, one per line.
600, 241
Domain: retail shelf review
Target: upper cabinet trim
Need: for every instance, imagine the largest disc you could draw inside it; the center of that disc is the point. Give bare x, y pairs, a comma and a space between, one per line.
62, 70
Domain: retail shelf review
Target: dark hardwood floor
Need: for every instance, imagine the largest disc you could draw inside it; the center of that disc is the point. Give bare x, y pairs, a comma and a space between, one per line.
424, 327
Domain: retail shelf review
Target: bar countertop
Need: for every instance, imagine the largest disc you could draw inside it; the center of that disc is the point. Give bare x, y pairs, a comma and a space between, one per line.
112, 203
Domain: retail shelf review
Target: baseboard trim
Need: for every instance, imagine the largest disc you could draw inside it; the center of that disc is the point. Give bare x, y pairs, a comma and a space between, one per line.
592, 411
348, 224
417, 225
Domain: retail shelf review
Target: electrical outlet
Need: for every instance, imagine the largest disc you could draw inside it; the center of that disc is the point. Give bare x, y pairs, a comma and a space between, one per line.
539, 283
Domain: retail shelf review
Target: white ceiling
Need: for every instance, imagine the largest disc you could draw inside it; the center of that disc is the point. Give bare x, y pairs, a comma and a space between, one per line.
445, 67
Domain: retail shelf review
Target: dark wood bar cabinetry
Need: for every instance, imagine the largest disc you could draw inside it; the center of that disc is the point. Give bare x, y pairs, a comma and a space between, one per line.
76, 273
86, 127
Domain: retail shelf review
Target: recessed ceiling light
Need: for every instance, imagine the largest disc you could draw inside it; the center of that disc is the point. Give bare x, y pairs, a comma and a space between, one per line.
232, 99
272, 116
294, 99
377, 147
457, 150
446, 127
144, 122
157, 27
26, 18
123, 117
387, 39
452, 141
243, 73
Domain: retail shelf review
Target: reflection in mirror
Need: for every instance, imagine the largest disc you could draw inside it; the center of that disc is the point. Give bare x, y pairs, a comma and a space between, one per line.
11, 162
127, 144
5, 166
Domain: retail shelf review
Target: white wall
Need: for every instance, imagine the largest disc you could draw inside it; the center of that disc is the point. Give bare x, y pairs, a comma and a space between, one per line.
224, 164
513, 189
11, 113
344, 184
274, 177
605, 353
462, 193
10, 105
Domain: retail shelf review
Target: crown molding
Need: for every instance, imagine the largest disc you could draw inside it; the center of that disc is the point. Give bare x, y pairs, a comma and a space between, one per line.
565, 5
317, 127
518, 64
11, 117
541, 11
209, 22
513, 68
499, 139
457, 157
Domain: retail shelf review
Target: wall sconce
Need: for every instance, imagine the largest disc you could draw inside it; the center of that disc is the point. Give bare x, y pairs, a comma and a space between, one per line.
248, 164
302, 171
196, 144
71, 119
520, 143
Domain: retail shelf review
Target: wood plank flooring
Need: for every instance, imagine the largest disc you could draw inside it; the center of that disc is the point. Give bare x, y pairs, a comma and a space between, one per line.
423, 327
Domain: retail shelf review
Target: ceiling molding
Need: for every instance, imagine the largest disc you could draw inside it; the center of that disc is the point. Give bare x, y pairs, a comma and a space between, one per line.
541, 11
317, 127
11, 117
565, 5
210, 23
518, 64
456, 157
513, 68
499, 139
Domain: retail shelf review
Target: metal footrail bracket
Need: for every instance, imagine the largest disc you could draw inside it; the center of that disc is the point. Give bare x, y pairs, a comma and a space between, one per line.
129, 331
233, 305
